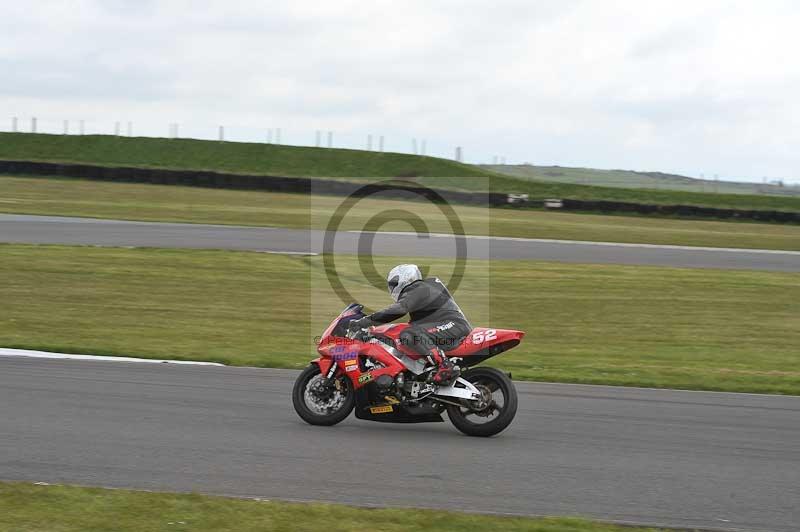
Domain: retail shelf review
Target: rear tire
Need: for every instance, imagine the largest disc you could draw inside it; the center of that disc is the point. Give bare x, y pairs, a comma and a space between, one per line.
488, 378
322, 411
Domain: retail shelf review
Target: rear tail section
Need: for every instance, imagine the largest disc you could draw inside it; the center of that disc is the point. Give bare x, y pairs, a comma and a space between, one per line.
484, 342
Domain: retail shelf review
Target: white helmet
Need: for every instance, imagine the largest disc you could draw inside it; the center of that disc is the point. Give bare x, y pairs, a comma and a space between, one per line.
400, 277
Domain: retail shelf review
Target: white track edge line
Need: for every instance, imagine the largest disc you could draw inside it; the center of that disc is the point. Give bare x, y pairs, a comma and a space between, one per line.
584, 242
306, 253
5, 352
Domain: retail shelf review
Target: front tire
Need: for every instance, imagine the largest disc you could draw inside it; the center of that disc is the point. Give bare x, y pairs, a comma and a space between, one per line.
495, 417
317, 404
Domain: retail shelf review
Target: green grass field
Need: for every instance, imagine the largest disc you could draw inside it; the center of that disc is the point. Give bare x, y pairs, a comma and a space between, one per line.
622, 325
267, 159
36, 508
74, 197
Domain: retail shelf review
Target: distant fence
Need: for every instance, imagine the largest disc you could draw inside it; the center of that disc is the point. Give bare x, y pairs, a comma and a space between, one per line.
400, 142
306, 185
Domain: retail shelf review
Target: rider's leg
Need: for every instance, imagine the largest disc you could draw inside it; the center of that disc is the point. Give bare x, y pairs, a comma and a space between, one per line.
448, 336
429, 341
418, 339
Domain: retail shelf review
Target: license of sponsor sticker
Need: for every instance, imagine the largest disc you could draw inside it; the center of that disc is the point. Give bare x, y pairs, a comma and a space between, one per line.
381, 409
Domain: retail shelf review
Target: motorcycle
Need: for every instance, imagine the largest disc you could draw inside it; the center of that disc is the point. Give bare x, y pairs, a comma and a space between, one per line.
372, 372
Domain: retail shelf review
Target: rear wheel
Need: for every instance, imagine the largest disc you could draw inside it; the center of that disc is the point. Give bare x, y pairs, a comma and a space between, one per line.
322, 402
493, 412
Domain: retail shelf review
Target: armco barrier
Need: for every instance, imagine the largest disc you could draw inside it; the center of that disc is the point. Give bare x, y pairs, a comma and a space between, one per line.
692, 211
306, 185
237, 181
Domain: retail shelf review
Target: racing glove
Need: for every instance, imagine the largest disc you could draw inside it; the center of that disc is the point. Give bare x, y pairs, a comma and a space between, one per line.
355, 329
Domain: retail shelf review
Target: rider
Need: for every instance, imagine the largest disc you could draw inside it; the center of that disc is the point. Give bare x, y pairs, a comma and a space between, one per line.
437, 323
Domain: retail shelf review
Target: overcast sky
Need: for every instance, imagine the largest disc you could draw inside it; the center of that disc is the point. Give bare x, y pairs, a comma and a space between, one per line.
679, 86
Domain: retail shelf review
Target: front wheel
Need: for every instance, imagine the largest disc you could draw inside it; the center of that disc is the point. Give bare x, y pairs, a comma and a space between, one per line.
320, 402
496, 408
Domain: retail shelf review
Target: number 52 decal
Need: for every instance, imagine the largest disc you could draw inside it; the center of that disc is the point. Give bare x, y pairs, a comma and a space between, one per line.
480, 336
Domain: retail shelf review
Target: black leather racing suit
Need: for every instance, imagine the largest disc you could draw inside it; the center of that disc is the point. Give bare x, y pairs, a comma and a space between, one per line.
436, 319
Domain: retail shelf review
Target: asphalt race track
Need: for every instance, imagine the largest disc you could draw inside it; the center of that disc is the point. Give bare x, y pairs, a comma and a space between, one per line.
685, 459
62, 230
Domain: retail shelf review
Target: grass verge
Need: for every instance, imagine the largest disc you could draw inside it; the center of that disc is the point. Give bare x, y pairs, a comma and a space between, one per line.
33, 508
74, 197
270, 159
620, 325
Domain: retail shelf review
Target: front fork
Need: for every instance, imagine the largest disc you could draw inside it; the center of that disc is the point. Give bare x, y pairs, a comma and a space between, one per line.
331, 372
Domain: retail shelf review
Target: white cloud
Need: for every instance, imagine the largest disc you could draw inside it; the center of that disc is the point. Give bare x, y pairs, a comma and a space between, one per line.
674, 86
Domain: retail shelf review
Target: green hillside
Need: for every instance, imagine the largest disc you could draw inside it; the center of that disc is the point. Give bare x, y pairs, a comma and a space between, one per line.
235, 157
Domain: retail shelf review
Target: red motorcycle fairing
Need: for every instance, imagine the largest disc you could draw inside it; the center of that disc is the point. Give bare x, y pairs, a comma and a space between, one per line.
349, 355
476, 344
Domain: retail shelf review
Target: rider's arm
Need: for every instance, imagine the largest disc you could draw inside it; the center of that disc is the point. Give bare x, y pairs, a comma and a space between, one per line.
409, 301
390, 313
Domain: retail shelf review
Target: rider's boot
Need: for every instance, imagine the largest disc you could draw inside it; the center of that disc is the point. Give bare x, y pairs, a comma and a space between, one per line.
445, 372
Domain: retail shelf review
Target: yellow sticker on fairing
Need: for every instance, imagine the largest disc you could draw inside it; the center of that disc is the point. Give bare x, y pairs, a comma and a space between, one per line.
381, 409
